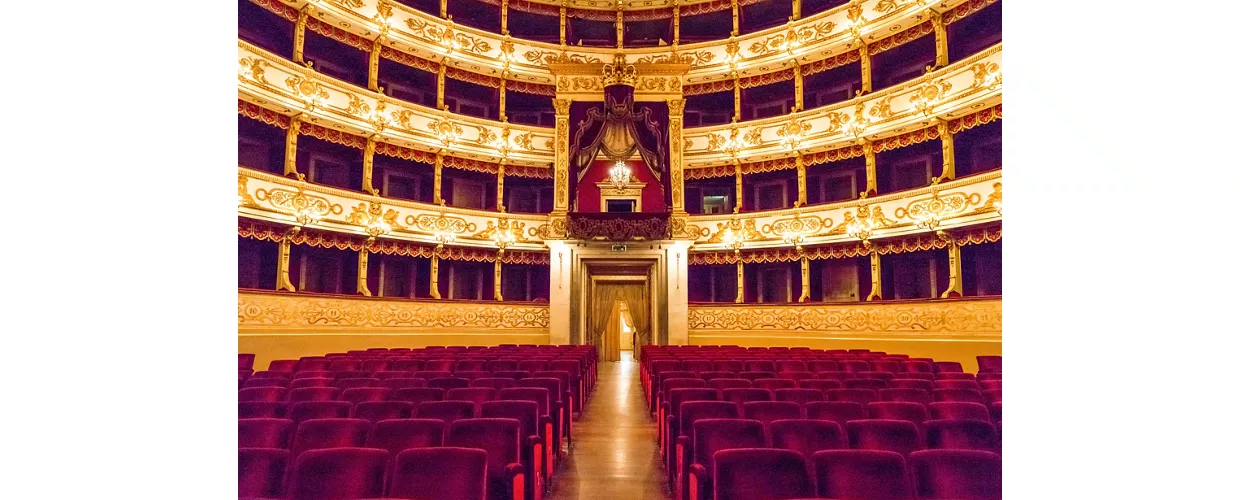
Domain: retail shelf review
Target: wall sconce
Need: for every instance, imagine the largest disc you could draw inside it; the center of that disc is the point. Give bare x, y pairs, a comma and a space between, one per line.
443, 237
855, 21
859, 123
620, 175
861, 228
734, 240
792, 133
503, 236
446, 131
925, 98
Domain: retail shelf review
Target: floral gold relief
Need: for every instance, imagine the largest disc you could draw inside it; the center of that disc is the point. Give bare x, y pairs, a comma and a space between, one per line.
968, 317
301, 311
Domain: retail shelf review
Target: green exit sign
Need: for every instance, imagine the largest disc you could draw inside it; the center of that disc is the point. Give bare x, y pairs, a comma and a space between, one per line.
619, 248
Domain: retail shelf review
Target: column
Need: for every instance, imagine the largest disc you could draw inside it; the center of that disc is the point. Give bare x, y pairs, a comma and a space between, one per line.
940, 39
372, 79
804, 276
299, 35
802, 195
443, 9
800, 85
368, 165
740, 191
736, 97
363, 258
736, 19
560, 299
949, 152
867, 84
620, 26
503, 17
876, 278
796, 10
955, 289
740, 277
677, 293
435, 273
286, 243
675, 138
561, 154
499, 264
563, 22
503, 97
871, 169
675, 26
439, 83
438, 193
290, 149
499, 186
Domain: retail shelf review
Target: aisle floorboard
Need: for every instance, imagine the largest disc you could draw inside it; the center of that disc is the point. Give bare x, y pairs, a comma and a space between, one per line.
614, 453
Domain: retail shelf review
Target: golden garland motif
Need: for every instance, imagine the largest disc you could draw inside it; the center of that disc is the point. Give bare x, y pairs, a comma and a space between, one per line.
439, 223
553, 57
376, 221
298, 202
873, 218
308, 311
970, 317
448, 37
984, 72
252, 68
792, 39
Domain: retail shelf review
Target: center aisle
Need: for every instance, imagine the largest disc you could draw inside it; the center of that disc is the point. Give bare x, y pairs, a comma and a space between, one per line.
614, 452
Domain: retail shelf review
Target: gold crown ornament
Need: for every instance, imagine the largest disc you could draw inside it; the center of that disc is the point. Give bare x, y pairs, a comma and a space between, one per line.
618, 72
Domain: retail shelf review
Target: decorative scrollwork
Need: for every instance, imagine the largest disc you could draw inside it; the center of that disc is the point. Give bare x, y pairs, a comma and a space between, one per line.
804, 226
307, 208
552, 57
439, 223
253, 69
376, 221
929, 95
929, 212
792, 39
690, 58
986, 75
448, 38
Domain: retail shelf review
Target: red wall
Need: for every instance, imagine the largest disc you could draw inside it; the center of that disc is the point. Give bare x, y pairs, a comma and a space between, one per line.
588, 192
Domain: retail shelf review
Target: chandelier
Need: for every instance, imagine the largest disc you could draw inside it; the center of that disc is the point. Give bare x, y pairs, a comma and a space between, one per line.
733, 239
861, 227
620, 175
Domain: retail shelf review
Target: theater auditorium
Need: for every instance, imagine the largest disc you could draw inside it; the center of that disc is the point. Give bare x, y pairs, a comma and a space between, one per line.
609, 249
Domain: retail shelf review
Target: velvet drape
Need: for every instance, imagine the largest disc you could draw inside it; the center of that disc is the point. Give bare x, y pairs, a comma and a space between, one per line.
617, 128
605, 316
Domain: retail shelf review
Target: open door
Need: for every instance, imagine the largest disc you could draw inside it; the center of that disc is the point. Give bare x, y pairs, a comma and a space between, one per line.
613, 304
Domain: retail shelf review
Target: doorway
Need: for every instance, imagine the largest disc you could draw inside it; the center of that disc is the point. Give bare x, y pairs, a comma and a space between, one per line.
618, 314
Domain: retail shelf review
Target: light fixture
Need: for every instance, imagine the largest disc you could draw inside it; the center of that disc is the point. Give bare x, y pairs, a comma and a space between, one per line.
444, 237
792, 133
930, 213
859, 123
925, 98
733, 239
861, 227
620, 175
306, 210
446, 131
503, 236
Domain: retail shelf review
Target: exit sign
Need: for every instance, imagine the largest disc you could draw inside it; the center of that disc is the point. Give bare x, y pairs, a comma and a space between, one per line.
619, 248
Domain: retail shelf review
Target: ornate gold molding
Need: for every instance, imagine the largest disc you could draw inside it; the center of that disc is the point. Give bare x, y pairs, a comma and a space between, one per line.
262, 311
982, 317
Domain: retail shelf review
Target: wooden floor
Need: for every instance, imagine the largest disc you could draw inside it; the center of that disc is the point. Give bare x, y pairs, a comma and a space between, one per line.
614, 452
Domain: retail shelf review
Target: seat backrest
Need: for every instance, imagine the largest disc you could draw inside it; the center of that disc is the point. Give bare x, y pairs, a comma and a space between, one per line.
332, 474
862, 396
282, 365
760, 365
807, 436
512, 374
889, 366
799, 396
245, 361
499, 437
948, 366
323, 433
755, 375
430, 374
989, 384
525, 412
821, 385
374, 365
900, 436
261, 472
398, 383
470, 365
692, 411
362, 394
678, 383
309, 410
313, 394
376, 411
267, 394
448, 383
870, 474
769, 411
961, 435
898, 410
840, 412
723, 384
855, 365
957, 474
412, 365
418, 395
957, 384
916, 366
711, 435
264, 432
355, 382
496, 383
958, 410
443, 472
795, 375
823, 365
989, 364
966, 395
397, 435
441, 365
299, 383
677, 397
905, 394
538, 395
992, 395
448, 411
728, 365
261, 409
696, 365
471, 374
865, 383
790, 365
911, 383
552, 385
477, 395
745, 394
836, 375
330, 375
761, 474
775, 383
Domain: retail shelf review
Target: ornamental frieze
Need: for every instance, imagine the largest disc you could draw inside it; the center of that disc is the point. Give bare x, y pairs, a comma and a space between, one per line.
255, 310
956, 317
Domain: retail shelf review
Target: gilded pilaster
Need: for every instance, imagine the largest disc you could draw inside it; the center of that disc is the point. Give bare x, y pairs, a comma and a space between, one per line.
676, 26
740, 191
740, 278
443, 9
561, 154
438, 194
876, 278
503, 98
503, 17
736, 97
955, 288
372, 78
804, 278
949, 152
800, 85
286, 244
439, 83
290, 149
796, 10
299, 35
368, 166
871, 169
802, 192
675, 138
499, 186
940, 39
867, 84
736, 18
363, 258
563, 23
620, 27
435, 274
499, 276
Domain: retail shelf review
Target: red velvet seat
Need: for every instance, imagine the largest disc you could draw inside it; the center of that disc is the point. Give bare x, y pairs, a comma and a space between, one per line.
712, 375
418, 395
261, 472
806, 436
475, 395
256, 382
966, 395
396, 384
434, 473
988, 364
840, 412
761, 474
909, 383
821, 385
559, 414
501, 439
512, 374
889, 366
448, 383
793, 365
327, 374
823, 365
900, 436
309, 410
493, 382
411, 365
836, 375
799, 396
340, 473
957, 384
865, 383
463, 365
322, 433
533, 451
991, 384
264, 432
363, 394
769, 411
898, 410
267, 394
745, 394
905, 395
948, 366
282, 365
439, 365
682, 426
391, 374
245, 361
957, 475
667, 384
313, 394
961, 435
915, 366
313, 364
760, 366
774, 383
471, 375
376, 411
862, 475
954, 376
299, 383
356, 382
996, 411
344, 374
862, 396
957, 410
397, 435
722, 384
448, 411
855, 365
431, 374
710, 436
755, 375
261, 409
728, 365
696, 365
